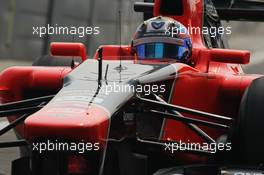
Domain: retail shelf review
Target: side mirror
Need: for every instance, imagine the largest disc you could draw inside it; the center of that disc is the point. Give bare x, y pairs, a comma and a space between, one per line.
229, 56
68, 49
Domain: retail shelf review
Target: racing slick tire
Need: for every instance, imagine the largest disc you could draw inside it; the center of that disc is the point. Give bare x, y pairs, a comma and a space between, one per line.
248, 142
48, 60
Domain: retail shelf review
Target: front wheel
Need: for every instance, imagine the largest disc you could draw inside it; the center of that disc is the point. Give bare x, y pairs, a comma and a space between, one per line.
248, 137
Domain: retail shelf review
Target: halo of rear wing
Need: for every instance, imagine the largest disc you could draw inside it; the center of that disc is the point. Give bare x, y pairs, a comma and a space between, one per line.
230, 10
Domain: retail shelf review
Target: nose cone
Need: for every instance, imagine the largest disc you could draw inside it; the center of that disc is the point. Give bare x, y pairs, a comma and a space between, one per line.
69, 121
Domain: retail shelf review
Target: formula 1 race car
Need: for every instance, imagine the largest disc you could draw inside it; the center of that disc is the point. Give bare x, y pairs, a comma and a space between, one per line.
116, 114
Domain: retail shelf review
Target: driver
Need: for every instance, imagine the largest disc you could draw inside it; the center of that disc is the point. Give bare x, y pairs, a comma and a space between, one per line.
162, 38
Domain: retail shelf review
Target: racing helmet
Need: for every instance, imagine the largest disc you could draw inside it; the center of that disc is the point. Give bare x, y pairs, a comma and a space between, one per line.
162, 38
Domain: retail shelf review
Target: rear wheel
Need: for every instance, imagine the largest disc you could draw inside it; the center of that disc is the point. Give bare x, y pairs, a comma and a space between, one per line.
248, 141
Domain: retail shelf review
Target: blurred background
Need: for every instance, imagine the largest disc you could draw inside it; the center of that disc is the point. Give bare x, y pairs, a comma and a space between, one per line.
18, 17
18, 46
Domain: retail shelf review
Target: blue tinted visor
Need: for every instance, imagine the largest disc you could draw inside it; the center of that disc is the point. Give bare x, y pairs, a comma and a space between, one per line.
160, 51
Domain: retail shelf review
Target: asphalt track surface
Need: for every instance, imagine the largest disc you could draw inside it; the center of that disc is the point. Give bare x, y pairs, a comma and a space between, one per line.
8, 154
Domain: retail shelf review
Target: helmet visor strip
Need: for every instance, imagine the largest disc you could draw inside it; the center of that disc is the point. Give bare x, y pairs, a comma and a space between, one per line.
160, 51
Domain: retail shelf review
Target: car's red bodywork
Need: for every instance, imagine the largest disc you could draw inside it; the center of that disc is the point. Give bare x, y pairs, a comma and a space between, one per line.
209, 86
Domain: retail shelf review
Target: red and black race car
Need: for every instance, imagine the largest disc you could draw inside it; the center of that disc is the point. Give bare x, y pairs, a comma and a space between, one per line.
200, 118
